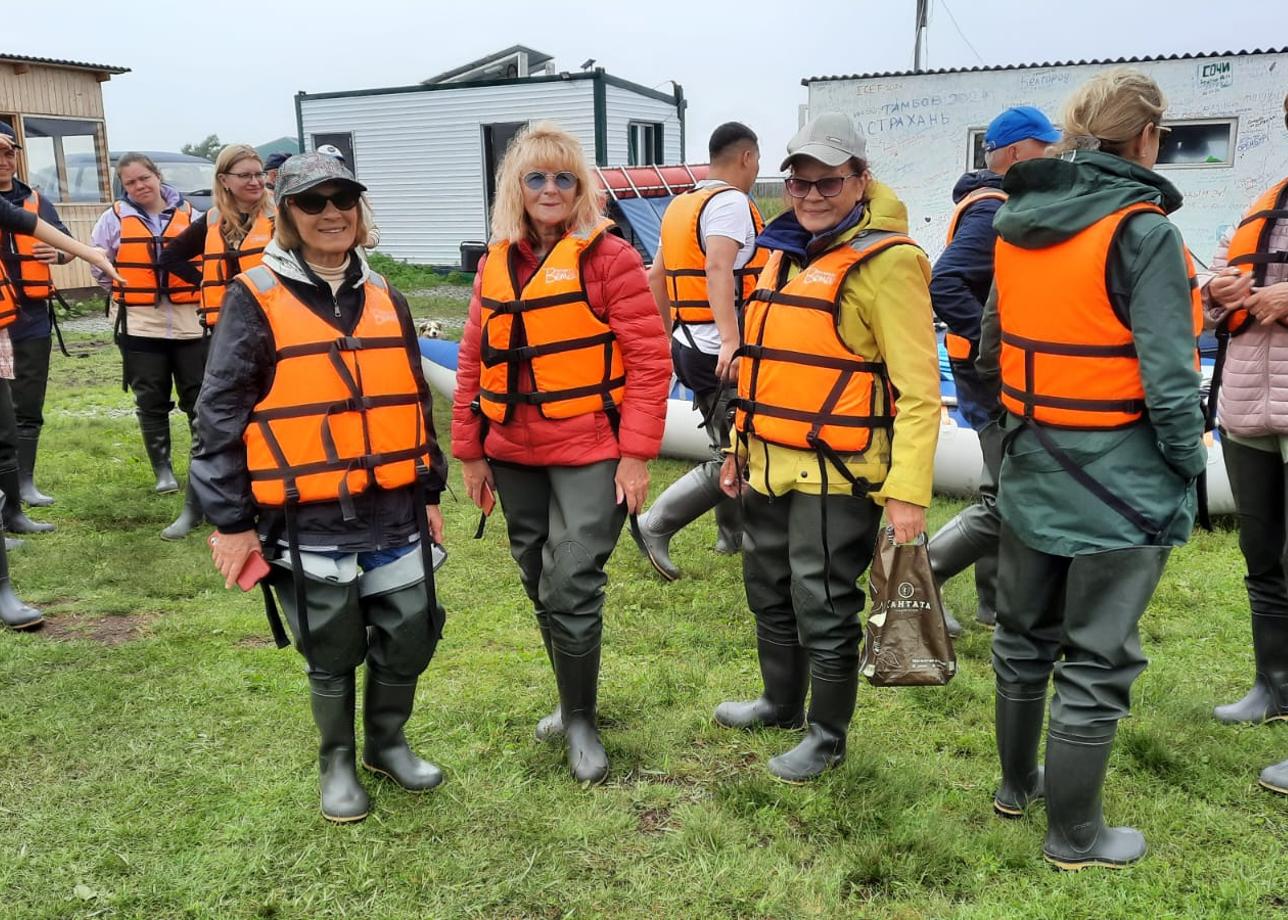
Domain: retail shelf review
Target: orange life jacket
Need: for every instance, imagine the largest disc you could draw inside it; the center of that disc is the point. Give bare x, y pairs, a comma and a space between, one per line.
217, 261
799, 384
34, 281
1068, 360
8, 300
684, 256
1250, 246
548, 327
137, 258
344, 412
959, 347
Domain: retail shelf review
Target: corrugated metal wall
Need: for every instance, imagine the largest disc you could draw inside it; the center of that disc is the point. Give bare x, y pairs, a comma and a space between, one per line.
624, 107
420, 153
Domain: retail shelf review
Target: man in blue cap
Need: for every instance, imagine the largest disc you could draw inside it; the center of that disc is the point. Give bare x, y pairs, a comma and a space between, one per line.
959, 286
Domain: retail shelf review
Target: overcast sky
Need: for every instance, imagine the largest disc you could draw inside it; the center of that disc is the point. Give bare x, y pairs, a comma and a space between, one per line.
232, 69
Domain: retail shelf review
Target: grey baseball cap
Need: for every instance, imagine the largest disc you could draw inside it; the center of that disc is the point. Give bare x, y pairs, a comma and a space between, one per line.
309, 170
831, 138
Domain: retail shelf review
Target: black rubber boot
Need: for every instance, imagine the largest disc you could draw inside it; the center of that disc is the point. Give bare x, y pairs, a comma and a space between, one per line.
13, 612
729, 526
32, 496
385, 710
1077, 836
952, 550
1267, 701
550, 726
785, 672
156, 441
685, 500
1018, 712
15, 520
986, 590
343, 798
830, 709
578, 679
1275, 778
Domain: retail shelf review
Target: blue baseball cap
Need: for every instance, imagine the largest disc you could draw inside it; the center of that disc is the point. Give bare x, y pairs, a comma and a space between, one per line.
7, 132
1019, 123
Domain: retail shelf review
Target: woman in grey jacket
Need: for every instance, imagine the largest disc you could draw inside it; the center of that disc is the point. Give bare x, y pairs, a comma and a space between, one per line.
1247, 298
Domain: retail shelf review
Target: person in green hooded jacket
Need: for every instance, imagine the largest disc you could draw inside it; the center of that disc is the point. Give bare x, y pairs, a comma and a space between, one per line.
1090, 334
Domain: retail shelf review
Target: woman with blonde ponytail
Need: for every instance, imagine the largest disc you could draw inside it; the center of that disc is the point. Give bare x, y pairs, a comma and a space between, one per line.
230, 239
1091, 330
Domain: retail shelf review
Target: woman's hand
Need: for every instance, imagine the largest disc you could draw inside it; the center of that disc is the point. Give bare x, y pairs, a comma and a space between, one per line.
1269, 304
731, 481
230, 551
632, 483
43, 252
1230, 286
99, 260
435, 515
727, 362
907, 519
476, 473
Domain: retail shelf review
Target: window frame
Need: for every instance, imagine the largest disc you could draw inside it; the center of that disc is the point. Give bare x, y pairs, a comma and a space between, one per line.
658, 152
101, 160
971, 134
1233, 123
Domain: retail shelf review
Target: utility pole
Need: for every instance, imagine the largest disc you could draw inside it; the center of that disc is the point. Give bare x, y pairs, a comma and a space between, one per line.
923, 14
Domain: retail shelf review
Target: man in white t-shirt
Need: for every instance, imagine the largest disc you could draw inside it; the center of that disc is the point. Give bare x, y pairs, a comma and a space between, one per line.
706, 265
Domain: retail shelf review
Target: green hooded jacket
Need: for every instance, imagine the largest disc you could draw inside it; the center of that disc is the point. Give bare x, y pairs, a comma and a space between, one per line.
1152, 465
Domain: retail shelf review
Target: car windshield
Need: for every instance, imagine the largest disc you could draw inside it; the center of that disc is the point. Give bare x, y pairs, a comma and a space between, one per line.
189, 177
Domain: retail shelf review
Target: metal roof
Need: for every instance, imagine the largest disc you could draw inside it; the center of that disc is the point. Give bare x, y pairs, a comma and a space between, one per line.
806, 81
57, 62
535, 59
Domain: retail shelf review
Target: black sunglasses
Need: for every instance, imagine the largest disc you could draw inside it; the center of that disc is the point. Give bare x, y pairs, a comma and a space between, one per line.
564, 181
828, 188
314, 203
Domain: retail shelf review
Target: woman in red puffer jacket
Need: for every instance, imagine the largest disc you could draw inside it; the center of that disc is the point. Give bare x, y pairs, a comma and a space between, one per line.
561, 392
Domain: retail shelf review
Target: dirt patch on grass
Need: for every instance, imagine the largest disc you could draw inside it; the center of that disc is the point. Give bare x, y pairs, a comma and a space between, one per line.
255, 642
106, 630
654, 820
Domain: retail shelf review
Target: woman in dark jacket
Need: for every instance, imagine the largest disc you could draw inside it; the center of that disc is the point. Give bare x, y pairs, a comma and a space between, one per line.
568, 469
1103, 435
318, 448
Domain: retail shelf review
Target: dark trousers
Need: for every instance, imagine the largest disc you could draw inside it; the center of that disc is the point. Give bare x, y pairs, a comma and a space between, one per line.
1257, 478
391, 632
1078, 617
8, 431
787, 576
155, 367
31, 379
563, 523
975, 402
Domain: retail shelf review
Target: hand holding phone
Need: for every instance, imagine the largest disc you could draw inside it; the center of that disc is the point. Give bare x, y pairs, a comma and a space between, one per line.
487, 500
253, 572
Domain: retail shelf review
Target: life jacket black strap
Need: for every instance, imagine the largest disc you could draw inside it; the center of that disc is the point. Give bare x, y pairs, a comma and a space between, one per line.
541, 398
491, 356
847, 365
1032, 400
1261, 258
535, 303
1268, 214
822, 419
342, 465
792, 300
344, 343
1069, 350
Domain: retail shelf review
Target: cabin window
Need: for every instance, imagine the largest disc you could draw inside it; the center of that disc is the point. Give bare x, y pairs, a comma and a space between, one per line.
975, 149
64, 158
644, 143
1209, 142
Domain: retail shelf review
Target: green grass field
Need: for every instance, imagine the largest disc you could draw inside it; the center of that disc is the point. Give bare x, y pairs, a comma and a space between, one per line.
157, 759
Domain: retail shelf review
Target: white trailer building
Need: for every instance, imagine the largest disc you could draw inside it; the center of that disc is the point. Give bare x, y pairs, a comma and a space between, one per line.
428, 153
1227, 144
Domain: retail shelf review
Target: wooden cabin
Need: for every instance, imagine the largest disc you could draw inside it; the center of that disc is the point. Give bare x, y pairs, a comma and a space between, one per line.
56, 109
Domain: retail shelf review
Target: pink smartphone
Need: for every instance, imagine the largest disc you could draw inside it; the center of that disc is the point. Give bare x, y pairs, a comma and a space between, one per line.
487, 501
253, 571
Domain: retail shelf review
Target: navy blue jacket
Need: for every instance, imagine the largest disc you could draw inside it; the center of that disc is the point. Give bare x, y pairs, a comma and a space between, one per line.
33, 316
963, 273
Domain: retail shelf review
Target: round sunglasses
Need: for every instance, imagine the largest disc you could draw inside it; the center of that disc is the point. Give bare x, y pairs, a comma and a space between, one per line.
829, 187
315, 203
564, 181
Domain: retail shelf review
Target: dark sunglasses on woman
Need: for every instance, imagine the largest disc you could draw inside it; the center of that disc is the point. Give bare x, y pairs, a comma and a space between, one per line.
315, 203
564, 181
829, 187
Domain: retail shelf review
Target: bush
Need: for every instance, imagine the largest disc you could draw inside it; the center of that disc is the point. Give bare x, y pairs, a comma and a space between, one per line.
408, 277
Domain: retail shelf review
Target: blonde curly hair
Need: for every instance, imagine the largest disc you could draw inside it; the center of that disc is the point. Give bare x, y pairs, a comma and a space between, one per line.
542, 145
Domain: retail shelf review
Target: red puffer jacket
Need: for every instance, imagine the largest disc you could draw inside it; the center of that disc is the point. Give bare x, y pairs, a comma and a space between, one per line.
618, 292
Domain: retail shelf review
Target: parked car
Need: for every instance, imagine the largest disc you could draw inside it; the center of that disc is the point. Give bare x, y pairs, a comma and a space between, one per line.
192, 176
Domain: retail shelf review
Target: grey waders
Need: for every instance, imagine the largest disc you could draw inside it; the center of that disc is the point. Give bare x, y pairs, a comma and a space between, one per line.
578, 679
1018, 713
15, 521
785, 672
156, 441
191, 516
1077, 836
32, 496
13, 612
684, 501
831, 707
1267, 701
343, 798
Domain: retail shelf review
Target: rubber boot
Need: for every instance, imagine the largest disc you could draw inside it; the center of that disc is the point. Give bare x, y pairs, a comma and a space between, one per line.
952, 550
550, 726
578, 679
343, 798
1018, 712
1267, 701
156, 441
385, 710
831, 707
15, 520
190, 517
729, 526
685, 500
785, 672
986, 590
13, 612
1077, 836
27, 448
1276, 778
12, 545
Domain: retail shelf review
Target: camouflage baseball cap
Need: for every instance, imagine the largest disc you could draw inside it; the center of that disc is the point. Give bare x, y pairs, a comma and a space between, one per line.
309, 170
